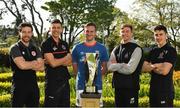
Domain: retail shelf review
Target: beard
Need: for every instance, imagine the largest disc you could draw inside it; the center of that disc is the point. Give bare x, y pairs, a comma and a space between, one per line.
26, 39
89, 40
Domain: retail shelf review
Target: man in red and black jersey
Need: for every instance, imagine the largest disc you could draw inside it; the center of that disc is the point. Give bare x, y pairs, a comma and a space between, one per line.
160, 63
57, 56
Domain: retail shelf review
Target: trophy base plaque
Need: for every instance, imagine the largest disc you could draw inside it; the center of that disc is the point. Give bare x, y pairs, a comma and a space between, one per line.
90, 100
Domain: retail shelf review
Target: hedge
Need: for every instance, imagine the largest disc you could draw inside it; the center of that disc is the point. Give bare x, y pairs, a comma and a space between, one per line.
7, 77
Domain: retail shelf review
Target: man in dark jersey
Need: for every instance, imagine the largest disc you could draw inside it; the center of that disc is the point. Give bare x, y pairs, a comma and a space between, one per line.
25, 59
126, 62
160, 63
57, 56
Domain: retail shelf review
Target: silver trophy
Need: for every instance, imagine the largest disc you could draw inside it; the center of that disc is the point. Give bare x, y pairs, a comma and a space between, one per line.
90, 96
91, 72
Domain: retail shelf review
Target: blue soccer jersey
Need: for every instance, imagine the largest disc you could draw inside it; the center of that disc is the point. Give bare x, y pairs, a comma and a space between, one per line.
79, 56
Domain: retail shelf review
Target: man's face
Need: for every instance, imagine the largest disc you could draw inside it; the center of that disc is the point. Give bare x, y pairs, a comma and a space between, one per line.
26, 34
56, 29
126, 34
160, 37
90, 33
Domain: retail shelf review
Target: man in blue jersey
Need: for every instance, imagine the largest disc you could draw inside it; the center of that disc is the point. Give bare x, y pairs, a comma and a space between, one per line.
79, 60
160, 63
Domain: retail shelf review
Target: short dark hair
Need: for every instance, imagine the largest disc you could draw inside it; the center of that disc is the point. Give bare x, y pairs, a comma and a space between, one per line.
56, 21
161, 27
127, 25
24, 24
90, 24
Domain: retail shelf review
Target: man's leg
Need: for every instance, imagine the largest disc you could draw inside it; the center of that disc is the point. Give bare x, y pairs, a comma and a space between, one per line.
64, 96
18, 97
119, 98
33, 98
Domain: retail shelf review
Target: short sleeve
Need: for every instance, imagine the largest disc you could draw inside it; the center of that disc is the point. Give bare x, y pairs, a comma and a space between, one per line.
171, 56
45, 47
148, 56
15, 52
39, 55
104, 57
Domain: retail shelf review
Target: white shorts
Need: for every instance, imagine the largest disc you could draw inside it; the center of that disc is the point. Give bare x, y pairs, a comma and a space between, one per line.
78, 98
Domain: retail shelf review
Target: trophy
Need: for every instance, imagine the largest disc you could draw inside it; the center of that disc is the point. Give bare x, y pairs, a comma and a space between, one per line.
91, 65
90, 96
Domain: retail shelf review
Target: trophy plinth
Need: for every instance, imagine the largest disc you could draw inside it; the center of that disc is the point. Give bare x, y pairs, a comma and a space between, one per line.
90, 89
90, 96
90, 100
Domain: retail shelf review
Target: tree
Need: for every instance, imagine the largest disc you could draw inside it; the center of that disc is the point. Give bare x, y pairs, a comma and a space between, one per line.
75, 13
13, 7
141, 32
165, 12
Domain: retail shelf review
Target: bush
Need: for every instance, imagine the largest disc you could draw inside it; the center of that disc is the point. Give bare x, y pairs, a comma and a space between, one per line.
108, 91
177, 67
4, 57
5, 100
7, 77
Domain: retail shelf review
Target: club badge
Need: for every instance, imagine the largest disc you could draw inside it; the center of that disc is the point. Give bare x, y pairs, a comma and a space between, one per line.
63, 47
33, 53
161, 55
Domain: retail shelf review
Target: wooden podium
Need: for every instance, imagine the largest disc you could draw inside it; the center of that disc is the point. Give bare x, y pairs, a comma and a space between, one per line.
90, 100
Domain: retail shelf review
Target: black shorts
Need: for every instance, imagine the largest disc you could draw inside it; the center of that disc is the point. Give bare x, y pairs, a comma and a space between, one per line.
160, 99
126, 97
57, 94
25, 96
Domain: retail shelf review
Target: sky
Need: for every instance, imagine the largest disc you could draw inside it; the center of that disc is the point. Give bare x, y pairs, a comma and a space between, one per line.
124, 5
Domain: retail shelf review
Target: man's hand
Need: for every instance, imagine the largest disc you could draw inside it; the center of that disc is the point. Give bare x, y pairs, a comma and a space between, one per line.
148, 67
67, 60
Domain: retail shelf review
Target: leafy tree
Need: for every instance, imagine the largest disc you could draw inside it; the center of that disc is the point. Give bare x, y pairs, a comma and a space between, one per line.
75, 13
16, 8
165, 12
12, 7
141, 32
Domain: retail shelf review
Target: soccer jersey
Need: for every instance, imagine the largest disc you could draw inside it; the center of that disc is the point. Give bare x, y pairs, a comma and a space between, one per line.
29, 53
57, 89
24, 86
59, 50
160, 83
79, 57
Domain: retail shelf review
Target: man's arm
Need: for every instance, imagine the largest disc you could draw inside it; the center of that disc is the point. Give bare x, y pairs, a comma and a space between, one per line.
53, 62
130, 67
69, 61
25, 65
104, 68
75, 68
162, 68
147, 67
